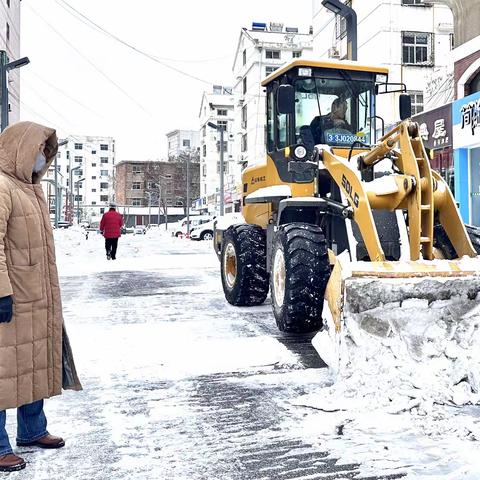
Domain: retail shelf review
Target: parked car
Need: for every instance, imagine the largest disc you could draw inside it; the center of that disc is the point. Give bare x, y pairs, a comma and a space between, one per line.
203, 231
180, 228
139, 230
62, 224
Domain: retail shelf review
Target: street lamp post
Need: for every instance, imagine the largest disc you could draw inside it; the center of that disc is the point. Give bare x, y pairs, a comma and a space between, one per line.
149, 207
350, 16
57, 207
78, 199
70, 187
220, 128
5, 67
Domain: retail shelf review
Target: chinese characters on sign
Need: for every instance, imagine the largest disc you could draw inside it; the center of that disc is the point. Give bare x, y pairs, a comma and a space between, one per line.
471, 115
436, 127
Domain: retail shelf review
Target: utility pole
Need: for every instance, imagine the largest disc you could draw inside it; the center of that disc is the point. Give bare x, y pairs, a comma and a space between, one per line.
149, 208
5, 67
78, 199
71, 191
188, 192
220, 128
222, 186
58, 198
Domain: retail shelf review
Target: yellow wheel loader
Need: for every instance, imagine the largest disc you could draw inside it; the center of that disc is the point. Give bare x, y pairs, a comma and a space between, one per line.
341, 218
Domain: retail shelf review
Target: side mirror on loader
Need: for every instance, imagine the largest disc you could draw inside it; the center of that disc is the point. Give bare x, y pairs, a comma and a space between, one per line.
286, 99
405, 103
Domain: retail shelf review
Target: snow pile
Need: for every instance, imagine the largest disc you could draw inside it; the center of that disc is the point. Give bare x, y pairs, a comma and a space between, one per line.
415, 378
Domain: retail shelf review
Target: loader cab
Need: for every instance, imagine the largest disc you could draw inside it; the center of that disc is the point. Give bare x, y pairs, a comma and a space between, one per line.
312, 103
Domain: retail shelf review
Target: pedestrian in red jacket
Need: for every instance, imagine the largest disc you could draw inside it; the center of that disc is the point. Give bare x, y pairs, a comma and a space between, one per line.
111, 227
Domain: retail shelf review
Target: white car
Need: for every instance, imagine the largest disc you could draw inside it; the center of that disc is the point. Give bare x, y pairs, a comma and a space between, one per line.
179, 228
139, 230
203, 232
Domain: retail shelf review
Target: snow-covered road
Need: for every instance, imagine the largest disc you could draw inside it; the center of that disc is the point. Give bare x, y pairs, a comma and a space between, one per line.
180, 385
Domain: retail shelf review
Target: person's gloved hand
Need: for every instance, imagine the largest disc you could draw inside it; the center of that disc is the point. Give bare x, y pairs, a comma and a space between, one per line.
6, 309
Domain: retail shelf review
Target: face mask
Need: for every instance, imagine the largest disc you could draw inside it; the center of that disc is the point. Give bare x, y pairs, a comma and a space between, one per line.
40, 162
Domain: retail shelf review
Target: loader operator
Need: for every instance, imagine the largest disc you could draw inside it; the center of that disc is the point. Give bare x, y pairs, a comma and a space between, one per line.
334, 121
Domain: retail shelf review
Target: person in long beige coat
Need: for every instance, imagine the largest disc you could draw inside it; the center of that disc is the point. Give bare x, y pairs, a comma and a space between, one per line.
35, 355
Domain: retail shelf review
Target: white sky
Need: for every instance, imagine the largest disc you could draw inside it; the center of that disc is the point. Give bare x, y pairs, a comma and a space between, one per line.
202, 34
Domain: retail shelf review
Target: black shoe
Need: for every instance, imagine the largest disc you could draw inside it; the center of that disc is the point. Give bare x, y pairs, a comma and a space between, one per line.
108, 256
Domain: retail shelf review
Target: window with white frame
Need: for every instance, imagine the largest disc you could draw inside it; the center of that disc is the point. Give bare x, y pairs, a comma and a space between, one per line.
186, 143
136, 169
420, 3
103, 146
137, 202
151, 185
417, 48
103, 185
78, 159
222, 112
104, 198
272, 54
296, 54
78, 146
417, 101
269, 70
244, 84
244, 116
223, 124
94, 164
103, 159
136, 186
104, 173
244, 143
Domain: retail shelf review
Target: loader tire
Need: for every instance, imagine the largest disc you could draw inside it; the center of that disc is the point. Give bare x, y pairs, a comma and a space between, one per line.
243, 265
300, 271
442, 242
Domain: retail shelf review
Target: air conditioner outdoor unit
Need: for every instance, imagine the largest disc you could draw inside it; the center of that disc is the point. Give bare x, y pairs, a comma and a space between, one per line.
333, 52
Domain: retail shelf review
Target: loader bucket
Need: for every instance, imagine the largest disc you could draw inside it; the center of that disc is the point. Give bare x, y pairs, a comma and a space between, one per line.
383, 300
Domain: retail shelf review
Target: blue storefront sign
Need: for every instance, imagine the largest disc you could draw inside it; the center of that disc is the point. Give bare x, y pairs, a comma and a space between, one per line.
466, 144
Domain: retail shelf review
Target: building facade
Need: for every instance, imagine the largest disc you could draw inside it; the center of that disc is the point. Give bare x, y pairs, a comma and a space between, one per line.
413, 38
217, 107
85, 171
154, 183
10, 43
182, 141
260, 51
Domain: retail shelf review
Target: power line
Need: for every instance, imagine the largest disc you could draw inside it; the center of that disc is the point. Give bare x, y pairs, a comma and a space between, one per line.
39, 96
90, 23
158, 60
65, 94
90, 62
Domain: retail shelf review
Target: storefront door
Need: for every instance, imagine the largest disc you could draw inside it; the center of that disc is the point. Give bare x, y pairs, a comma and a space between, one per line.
475, 186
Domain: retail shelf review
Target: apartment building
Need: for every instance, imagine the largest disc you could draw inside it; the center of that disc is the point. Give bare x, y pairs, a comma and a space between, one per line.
142, 183
260, 51
85, 172
217, 107
181, 142
10, 44
413, 38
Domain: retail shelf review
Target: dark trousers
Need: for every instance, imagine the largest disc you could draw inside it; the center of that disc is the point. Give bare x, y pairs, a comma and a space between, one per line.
111, 245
